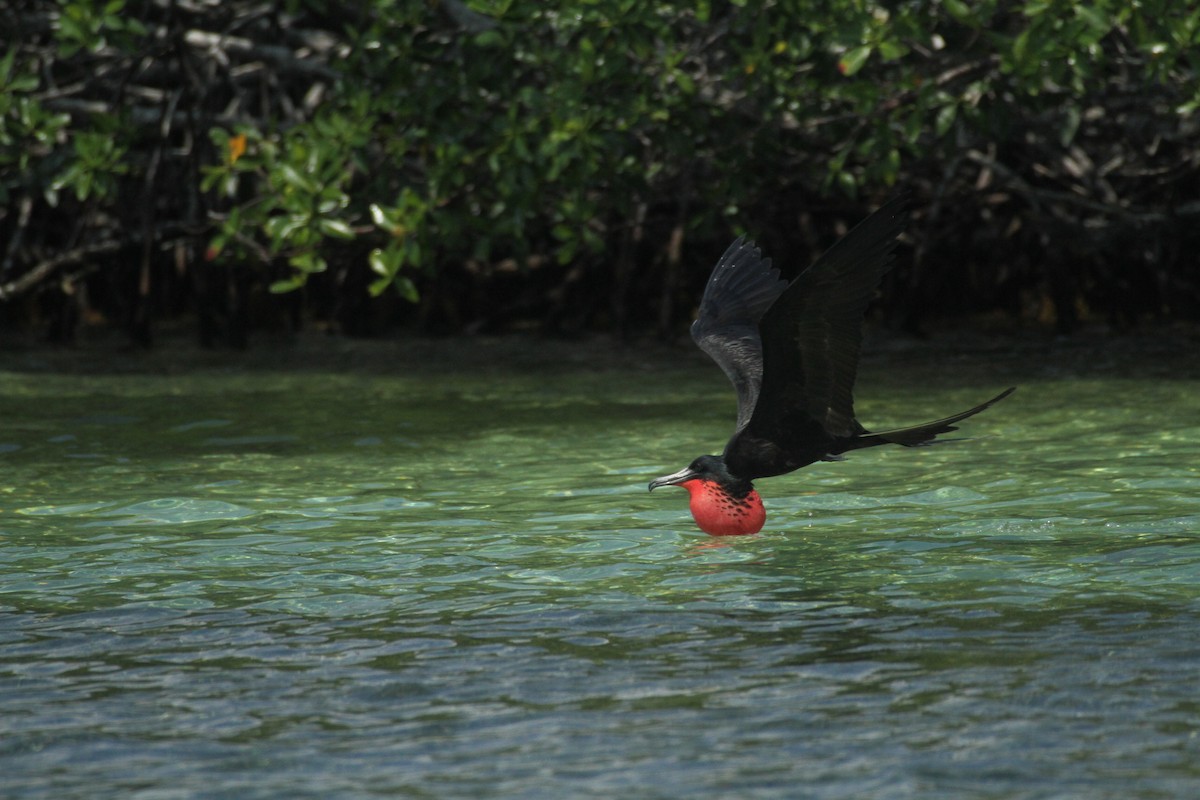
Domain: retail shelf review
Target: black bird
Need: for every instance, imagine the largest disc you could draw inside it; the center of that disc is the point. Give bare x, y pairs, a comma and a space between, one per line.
791, 351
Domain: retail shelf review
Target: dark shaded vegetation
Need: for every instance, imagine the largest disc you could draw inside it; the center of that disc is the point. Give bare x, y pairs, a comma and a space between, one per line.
485, 166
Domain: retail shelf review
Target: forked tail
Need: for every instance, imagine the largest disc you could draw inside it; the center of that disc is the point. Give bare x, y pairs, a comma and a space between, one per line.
926, 432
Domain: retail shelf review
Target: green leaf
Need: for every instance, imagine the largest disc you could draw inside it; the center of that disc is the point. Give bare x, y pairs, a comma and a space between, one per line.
308, 262
1035, 8
566, 253
386, 262
23, 83
293, 177
892, 49
960, 11
282, 226
412, 252
1070, 126
379, 286
914, 126
945, 118
407, 289
1188, 108
1020, 47
488, 39
6, 65
336, 228
287, 284
381, 218
848, 183
1097, 20
854, 59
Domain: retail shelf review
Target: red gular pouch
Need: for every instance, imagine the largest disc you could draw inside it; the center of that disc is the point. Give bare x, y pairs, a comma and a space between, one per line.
721, 514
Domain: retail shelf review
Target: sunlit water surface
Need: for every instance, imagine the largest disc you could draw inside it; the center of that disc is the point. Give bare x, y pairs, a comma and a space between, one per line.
445, 578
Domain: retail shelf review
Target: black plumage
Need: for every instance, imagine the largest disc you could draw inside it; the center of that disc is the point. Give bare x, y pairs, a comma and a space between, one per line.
791, 351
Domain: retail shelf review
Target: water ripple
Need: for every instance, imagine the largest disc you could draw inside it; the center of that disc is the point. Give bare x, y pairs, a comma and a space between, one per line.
493, 605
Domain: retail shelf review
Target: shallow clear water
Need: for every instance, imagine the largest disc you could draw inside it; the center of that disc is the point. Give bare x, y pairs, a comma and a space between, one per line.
445, 578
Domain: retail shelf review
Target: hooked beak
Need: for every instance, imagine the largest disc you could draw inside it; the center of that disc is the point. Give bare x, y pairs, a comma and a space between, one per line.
674, 479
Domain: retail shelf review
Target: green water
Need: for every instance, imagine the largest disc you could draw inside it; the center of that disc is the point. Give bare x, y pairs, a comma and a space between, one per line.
380, 572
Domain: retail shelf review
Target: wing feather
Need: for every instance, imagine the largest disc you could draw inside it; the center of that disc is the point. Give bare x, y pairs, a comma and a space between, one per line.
742, 287
812, 336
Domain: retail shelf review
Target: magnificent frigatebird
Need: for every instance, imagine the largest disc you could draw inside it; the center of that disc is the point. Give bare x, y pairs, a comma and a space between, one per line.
791, 351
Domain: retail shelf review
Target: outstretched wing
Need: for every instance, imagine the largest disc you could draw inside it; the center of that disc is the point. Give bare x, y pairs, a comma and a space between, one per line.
812, 335
742, 287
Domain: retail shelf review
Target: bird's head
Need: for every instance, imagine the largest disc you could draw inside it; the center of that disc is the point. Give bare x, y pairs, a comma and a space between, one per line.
704, 468
721, 503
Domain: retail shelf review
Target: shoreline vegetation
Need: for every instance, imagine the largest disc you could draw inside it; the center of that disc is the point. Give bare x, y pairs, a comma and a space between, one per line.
488, 166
